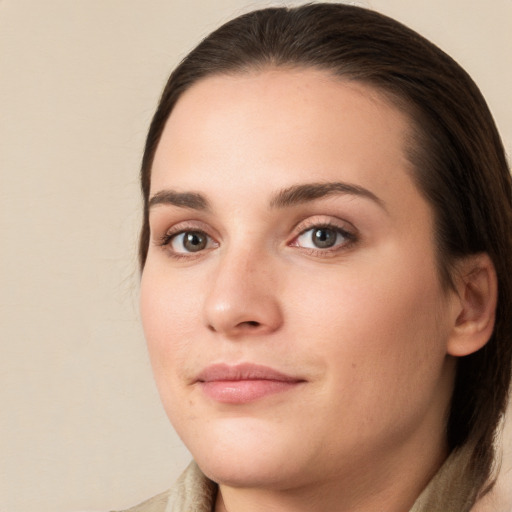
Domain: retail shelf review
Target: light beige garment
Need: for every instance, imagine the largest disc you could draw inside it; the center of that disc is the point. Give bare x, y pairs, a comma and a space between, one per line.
193, 492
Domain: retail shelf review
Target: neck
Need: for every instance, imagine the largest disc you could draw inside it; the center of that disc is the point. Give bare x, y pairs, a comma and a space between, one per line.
378, 485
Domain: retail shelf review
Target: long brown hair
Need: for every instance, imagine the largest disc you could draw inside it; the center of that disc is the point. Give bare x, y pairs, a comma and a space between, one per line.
458, 158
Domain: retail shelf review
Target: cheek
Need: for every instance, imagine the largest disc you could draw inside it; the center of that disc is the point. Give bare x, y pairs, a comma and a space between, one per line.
168, 318
385, 318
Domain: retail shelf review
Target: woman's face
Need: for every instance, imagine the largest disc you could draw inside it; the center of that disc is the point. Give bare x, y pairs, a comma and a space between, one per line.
291, 302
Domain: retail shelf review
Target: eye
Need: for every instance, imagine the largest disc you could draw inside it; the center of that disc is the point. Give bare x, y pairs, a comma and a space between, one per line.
323, 237
189, 241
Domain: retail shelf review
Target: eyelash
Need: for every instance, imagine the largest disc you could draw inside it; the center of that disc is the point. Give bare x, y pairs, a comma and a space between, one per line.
166, 240
350, 239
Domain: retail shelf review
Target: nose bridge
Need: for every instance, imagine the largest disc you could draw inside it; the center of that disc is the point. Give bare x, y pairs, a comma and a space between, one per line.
242, 295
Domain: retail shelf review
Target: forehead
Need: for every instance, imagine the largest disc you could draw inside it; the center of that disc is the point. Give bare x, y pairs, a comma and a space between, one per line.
278, 126
313, 94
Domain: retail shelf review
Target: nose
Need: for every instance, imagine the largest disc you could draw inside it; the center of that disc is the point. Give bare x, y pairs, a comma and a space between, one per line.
242, 296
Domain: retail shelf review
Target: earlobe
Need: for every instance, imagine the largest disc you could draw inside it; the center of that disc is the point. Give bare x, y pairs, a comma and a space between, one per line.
477, 288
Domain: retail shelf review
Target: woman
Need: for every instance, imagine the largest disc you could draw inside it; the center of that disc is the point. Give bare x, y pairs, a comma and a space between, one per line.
325, 250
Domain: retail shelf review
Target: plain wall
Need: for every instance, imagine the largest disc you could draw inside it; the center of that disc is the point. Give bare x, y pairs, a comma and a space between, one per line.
81, 426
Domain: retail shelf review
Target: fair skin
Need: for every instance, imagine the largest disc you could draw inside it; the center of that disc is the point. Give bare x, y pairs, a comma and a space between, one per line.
334, 291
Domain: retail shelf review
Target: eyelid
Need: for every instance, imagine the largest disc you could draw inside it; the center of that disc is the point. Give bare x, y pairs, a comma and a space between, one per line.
160, 234
347, 230
324, 221
170, 241
163, 239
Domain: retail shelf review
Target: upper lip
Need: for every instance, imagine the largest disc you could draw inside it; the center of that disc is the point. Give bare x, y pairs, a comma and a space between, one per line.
243, 371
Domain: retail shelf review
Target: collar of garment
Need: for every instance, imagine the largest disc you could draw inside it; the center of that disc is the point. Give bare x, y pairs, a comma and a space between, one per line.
449, 490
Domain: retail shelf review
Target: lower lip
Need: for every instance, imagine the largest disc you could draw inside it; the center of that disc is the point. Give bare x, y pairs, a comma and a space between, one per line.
244, 391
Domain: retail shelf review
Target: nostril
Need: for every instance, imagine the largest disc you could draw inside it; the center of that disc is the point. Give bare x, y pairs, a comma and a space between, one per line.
246, 325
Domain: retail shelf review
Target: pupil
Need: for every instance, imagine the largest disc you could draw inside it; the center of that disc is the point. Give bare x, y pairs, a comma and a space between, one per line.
194, 241
324, 237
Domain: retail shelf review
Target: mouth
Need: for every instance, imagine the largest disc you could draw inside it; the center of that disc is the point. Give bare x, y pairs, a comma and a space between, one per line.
244, 383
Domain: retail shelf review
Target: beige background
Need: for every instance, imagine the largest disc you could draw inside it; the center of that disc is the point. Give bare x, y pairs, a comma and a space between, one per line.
81, 427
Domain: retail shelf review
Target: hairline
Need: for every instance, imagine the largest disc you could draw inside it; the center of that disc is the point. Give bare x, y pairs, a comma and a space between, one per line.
412, 148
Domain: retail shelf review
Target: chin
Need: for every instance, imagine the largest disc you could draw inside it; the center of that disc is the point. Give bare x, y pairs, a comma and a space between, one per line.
245, 453
241, 472
238, 474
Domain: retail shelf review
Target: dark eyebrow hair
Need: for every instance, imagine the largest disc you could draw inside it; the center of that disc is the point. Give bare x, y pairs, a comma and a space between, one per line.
191, 200
290, 196
297, 194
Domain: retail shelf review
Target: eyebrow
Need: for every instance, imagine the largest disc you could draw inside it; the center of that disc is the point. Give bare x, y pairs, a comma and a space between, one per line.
191, 200
298, 194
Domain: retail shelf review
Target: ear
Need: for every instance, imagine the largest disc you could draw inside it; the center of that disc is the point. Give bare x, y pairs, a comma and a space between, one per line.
477, 288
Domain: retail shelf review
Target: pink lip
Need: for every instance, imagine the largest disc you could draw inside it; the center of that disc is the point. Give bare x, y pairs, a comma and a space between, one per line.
243, 383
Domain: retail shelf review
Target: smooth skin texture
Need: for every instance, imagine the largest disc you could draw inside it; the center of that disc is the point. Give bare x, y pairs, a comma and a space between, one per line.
251, 262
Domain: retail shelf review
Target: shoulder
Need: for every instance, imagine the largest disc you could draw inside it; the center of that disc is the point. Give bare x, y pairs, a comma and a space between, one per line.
193, 492
157, 503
